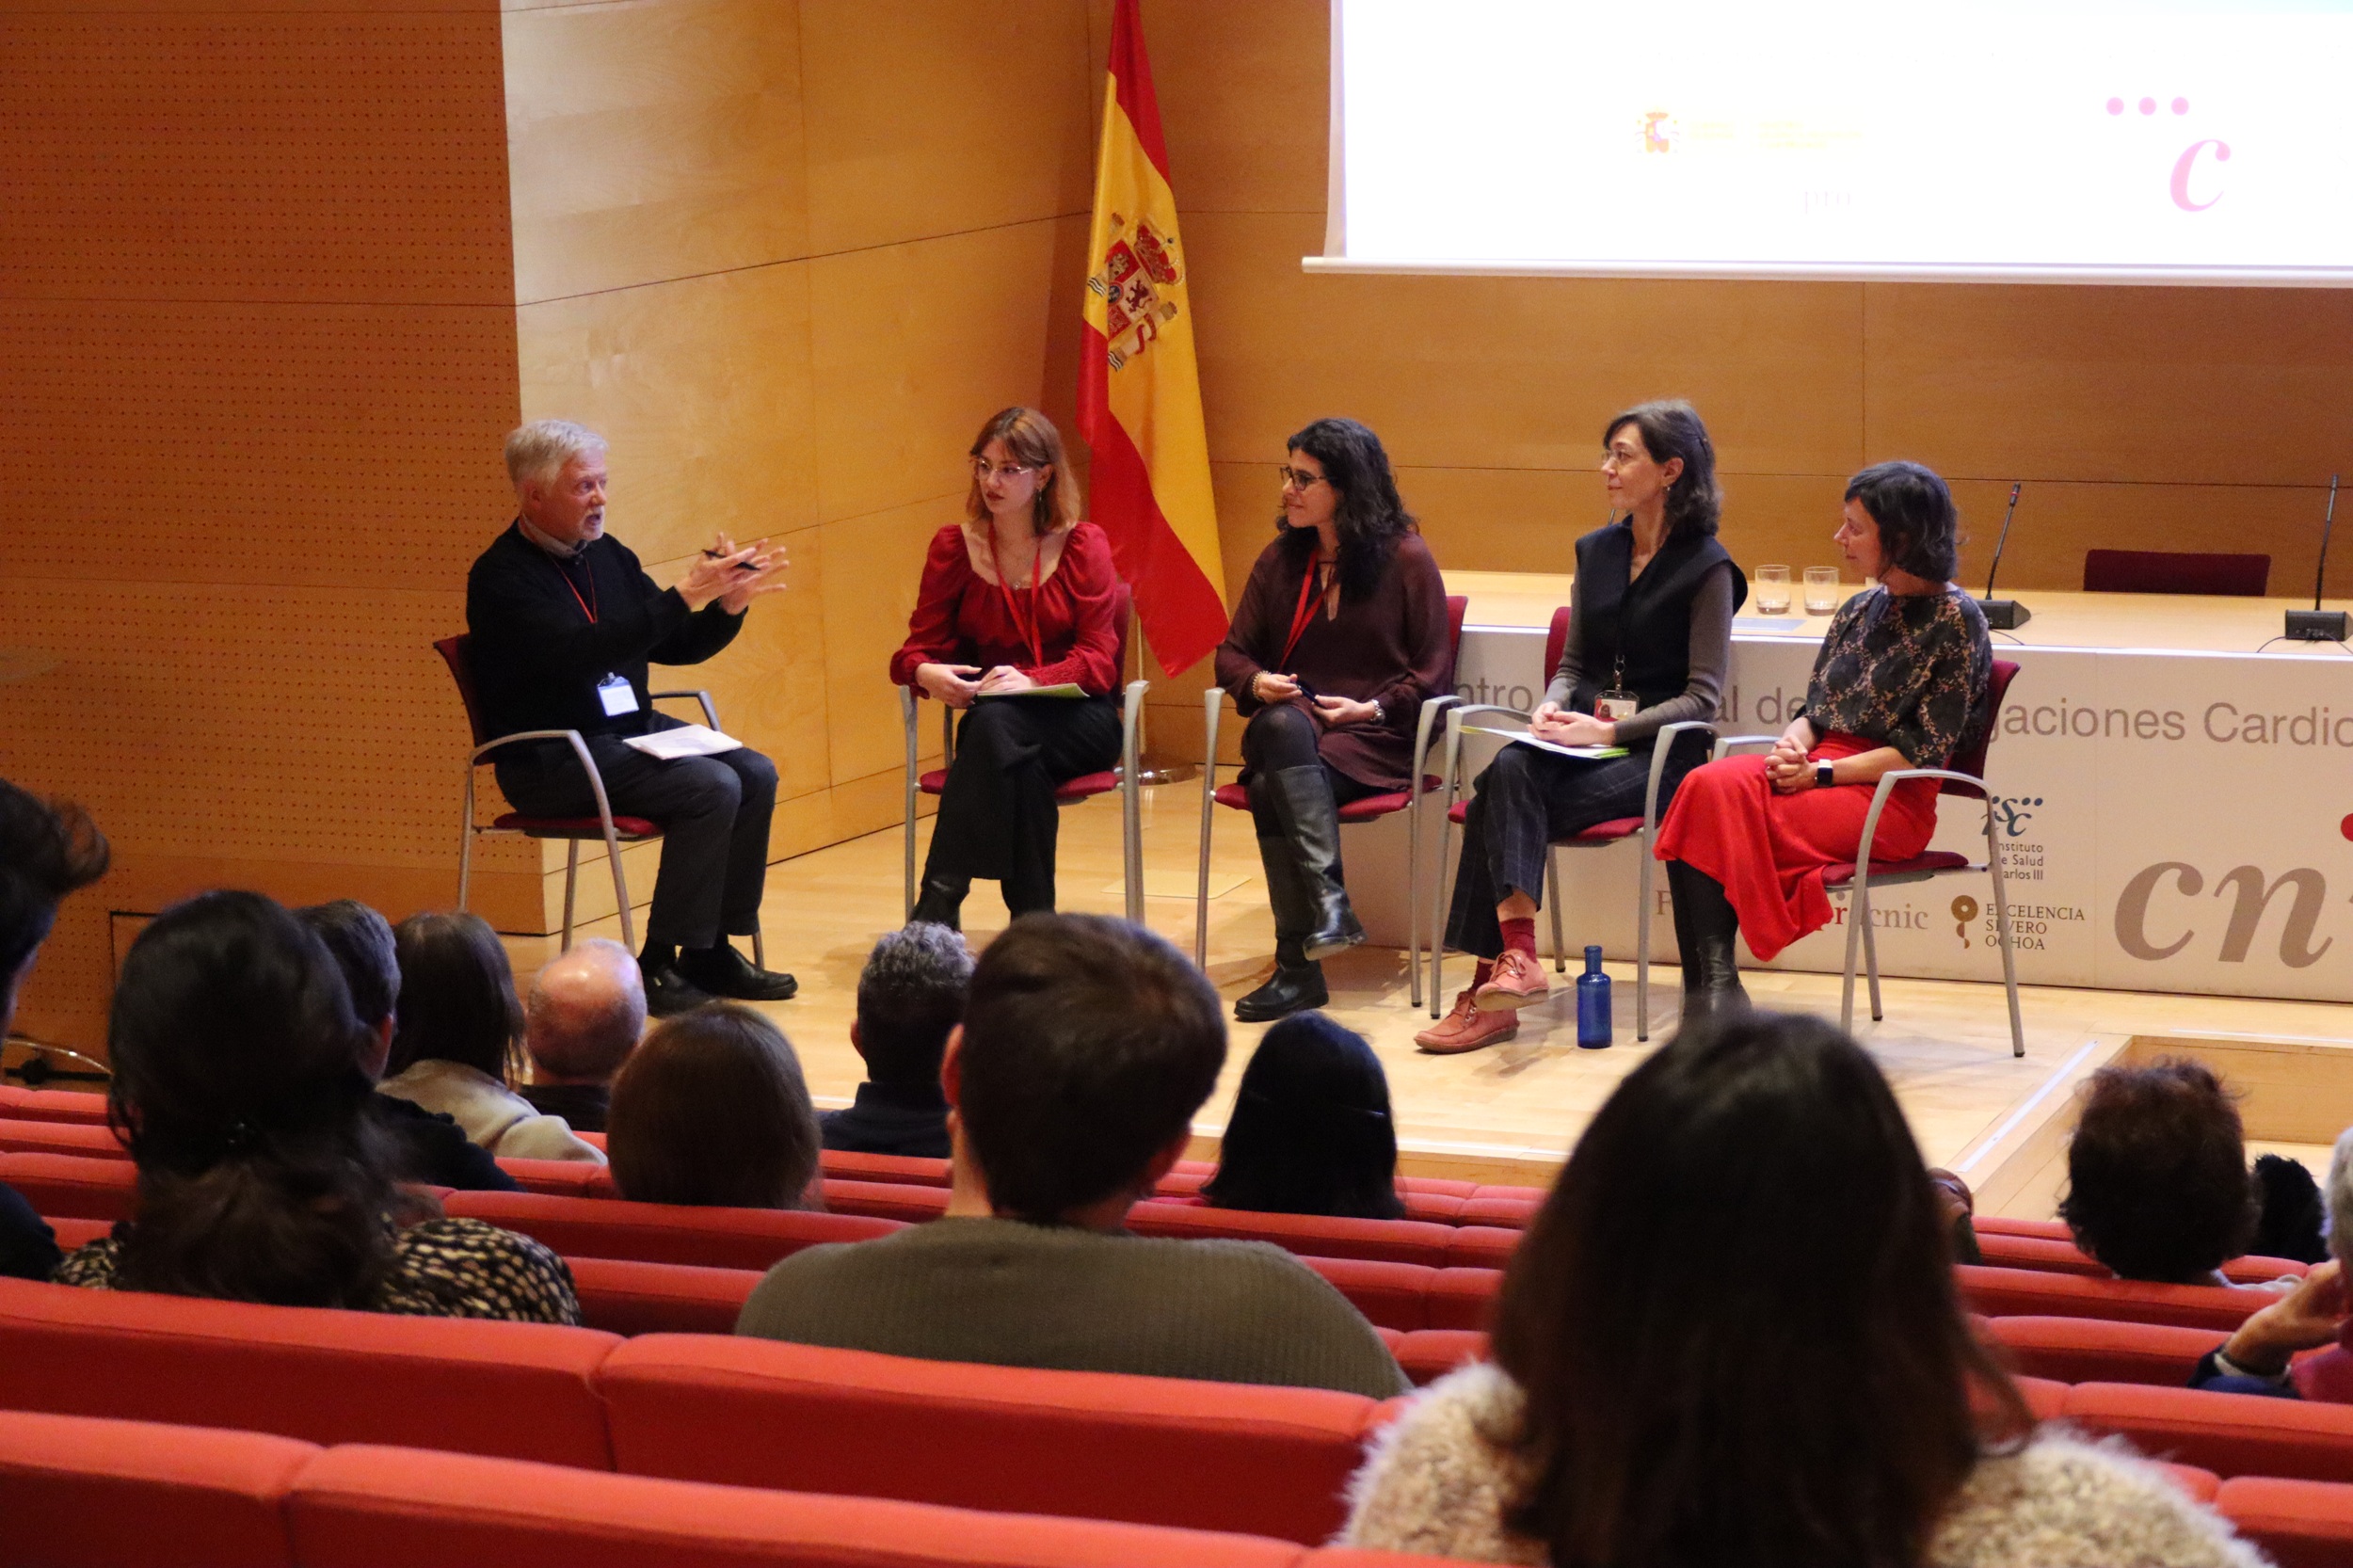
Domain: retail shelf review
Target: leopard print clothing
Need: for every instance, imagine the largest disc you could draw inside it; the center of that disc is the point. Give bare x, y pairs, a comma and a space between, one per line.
1913, 672
441, 1269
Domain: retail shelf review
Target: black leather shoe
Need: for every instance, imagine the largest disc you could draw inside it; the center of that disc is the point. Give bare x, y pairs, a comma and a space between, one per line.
725, 972
1291, 990
941, 902
670, 993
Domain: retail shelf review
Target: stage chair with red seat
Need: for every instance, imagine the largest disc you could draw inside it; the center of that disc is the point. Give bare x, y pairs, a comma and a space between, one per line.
79, 1491
2175, 571
1999, 1292
664, 1232
361, 1506
612, 831
318, 1374
2231, 1434
2298, 1524
1600, 836
1236, 797
1260, 1460
1071, 791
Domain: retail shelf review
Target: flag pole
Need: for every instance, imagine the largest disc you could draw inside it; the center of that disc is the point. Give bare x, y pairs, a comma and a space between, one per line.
1148, 773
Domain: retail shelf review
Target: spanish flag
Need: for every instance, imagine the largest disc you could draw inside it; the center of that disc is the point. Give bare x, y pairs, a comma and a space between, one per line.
1139, 393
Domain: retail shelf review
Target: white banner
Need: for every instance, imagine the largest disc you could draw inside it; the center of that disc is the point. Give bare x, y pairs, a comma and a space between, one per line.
2173, 821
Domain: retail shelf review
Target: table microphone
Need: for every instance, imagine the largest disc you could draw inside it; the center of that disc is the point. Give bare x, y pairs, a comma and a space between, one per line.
2317, 625
2004, 614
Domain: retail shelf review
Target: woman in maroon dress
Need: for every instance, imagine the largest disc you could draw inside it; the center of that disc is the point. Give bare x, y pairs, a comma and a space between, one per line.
1341, 634
1902, 682
1016, 598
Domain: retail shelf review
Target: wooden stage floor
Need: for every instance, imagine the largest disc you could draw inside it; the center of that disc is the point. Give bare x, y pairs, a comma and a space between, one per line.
1510, 1112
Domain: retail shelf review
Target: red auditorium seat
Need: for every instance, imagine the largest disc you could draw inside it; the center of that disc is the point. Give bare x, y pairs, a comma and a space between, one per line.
516, 1389
72, 1187
908, 1169
1149, 1450
2298, 1524
1463, 1297
51, 1105
625, 1296
664, 1232
1429, 1354
1391, 1240
2092, 1350
79, 1493
577, 1179
1390, 1295
2231, 1434
886, 1200
362, 1508
95, 1140
2037, 1292
2059, 1255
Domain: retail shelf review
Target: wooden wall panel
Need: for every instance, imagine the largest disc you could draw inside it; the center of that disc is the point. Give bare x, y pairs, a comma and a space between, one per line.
928, 119
866, 619
653, 139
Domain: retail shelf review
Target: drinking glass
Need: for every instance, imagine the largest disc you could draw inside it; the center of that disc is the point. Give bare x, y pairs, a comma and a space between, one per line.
1772, 590
1821, 591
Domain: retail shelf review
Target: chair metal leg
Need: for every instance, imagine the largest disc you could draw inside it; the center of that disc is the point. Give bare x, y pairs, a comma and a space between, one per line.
1452, 772
760, 950
465, 842
1552, 893
906, 720
1858, 915
571, 878
1131, 803
1212, 701
620, 891
1871, 967
2001, 929
1642, 942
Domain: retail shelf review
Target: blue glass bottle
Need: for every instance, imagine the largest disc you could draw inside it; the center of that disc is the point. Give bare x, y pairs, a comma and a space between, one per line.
1592, 1004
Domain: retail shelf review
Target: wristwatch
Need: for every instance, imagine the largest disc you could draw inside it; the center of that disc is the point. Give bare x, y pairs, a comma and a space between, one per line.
1380, 714
1822, 780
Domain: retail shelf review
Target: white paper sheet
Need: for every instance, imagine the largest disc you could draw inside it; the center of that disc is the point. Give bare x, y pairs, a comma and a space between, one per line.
687, 740
1590, 754
1064, 692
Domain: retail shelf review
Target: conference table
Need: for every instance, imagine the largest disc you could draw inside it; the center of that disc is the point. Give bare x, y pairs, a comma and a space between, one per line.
2174, 788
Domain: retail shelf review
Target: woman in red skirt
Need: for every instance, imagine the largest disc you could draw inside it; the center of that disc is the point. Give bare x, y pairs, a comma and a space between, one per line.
1901, 682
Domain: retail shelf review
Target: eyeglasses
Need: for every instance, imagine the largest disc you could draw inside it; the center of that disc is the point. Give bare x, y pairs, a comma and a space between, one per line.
1296, 479
982, 469
1619, 457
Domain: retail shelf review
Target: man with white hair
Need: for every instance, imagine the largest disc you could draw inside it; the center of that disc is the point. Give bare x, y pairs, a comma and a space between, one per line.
564, 622
585, 1012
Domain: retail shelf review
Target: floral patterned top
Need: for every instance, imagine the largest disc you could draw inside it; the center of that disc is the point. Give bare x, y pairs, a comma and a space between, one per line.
1911, 671
441, 1269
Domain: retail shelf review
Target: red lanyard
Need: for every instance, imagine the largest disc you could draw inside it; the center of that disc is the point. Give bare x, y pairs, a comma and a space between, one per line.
1310, 596
1029, 629
588, 605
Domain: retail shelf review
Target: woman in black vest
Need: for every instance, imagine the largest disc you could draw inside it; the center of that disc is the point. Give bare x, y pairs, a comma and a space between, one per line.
1650, 636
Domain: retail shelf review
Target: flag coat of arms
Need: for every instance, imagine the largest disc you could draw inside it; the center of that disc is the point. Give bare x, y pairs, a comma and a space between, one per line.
1139, 389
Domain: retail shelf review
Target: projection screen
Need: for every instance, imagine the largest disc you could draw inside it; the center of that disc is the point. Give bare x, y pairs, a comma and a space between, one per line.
2132, 141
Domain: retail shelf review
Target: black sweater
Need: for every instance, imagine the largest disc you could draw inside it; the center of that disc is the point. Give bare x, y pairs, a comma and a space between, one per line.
537, 656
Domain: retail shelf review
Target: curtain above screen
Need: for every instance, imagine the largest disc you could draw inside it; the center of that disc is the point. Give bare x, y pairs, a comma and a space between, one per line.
2132, 141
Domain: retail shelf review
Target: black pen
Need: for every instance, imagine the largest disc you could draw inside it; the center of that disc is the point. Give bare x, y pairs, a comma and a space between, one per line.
740, 566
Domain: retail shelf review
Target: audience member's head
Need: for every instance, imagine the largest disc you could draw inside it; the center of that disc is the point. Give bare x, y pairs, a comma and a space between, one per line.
2293, 1218
712, 1109
47, 850
361, 942
2340, 1197
1310, 1132
2157, 1186
910, 995
1087, 1044
238, 1089
457, 997
586, 1010
1735, 1319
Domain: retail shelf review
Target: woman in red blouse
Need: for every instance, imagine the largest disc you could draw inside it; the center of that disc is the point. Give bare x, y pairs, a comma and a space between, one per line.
1016, 598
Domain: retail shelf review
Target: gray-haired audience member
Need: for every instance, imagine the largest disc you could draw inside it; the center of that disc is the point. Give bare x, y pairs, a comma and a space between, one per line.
910, 997
430, 1148
584, 1017
2257, 1359
1086, 1046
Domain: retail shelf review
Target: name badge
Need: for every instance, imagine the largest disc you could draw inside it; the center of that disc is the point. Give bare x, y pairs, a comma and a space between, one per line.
618, 696
1615, 704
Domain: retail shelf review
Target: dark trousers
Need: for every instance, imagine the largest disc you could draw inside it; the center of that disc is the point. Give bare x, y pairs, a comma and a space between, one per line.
996, 815
1280, 737
1526, 800
713, 811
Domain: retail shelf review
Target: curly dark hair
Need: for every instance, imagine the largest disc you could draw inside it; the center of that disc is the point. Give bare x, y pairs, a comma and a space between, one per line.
1734, 1319
1368, 514
1919, 526
2157, 1187
1670, 428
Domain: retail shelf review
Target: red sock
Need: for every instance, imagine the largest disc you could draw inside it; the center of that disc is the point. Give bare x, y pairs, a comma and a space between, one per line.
1519, 936
1486, 972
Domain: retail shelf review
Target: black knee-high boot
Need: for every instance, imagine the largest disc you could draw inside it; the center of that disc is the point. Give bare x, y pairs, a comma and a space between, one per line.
1297, 983
1311, 821
1706, 927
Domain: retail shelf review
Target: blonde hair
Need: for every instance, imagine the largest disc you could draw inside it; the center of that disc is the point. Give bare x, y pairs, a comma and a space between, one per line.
1033, 442
536, 453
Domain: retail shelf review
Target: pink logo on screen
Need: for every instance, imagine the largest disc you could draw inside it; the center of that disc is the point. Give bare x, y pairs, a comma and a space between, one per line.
2193, 170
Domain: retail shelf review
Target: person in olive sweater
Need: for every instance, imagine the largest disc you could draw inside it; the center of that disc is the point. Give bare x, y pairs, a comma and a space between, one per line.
1086, 1046
564, 622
